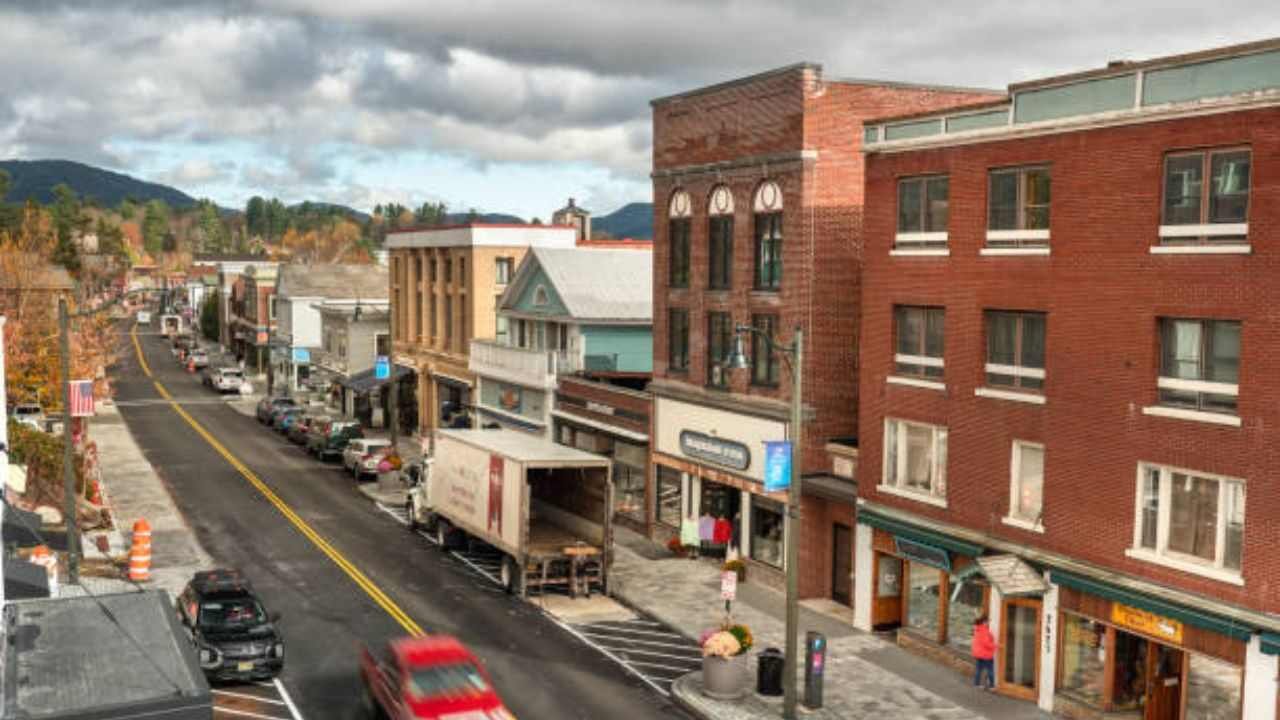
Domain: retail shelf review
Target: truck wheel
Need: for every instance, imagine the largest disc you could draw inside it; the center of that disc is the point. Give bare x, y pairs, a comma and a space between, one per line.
511, 575
442, 534
411, 514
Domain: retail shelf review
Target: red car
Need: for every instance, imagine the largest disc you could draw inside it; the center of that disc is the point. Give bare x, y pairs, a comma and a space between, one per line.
433, 677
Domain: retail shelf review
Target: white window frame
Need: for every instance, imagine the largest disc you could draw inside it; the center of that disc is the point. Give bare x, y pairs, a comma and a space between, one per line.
1161, 555
937, 495
1015, 478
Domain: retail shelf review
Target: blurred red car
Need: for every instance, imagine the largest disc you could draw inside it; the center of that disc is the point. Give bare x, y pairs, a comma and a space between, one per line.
433, 677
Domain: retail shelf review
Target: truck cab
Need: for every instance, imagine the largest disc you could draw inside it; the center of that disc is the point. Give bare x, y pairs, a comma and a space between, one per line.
427, 678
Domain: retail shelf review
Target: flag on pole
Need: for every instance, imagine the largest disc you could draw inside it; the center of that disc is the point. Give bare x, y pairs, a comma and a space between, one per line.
81, 398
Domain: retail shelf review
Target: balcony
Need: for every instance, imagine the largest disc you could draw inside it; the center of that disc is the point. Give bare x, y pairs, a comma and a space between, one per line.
531, 368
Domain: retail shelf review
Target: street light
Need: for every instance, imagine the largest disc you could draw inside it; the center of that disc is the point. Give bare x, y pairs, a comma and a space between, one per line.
793, 357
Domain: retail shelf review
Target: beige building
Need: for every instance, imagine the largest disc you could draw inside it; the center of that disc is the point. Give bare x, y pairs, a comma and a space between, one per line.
445, 285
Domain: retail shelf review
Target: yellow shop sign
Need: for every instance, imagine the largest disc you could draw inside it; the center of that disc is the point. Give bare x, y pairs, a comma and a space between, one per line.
1156, 626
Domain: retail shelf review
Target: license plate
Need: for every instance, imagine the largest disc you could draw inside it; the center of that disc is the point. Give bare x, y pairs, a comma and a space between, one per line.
245, 666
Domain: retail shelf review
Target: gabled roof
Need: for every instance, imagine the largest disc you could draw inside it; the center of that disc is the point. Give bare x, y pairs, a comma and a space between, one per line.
595, 284
333, 281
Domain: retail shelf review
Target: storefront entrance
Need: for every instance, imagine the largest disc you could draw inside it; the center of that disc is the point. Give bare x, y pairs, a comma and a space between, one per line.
1019, 655
842, 564
887, 613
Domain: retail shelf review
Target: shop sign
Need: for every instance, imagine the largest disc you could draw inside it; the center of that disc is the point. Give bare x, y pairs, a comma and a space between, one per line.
922, 553
729, 585
777, 466
509, 397
381, 368
715, 450
301, 356
601, 408
1148, 623
262, 337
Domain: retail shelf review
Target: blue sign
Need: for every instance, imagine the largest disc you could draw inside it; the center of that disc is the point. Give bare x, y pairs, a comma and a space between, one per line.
381, 368
777, 466
301, 356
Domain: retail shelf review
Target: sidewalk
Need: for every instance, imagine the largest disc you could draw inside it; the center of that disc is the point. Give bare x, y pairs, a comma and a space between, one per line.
133, 490
866, 676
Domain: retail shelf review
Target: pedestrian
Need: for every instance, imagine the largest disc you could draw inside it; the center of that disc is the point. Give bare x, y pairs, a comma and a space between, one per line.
984, 652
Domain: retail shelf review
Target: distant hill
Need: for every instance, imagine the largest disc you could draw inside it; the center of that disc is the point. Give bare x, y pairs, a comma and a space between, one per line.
350, 212
35, 179
633, 220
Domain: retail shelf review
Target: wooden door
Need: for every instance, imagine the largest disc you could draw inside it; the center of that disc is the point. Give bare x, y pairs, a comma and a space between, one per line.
886, 611
842, 564
1164, 683
1018, 653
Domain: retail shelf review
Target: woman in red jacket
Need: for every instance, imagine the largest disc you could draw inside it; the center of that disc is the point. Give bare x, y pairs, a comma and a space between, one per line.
984, 652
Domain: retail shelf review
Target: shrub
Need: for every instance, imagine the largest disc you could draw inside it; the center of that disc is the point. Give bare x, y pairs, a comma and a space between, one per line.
742, 634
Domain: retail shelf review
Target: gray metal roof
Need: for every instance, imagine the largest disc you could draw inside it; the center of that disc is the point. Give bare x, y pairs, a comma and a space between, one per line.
333, 281
600, 283
530, 450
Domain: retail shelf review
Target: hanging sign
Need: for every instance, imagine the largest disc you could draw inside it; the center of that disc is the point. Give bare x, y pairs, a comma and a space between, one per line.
715, 450
728, 585
777, 466
381, 368
1146, 622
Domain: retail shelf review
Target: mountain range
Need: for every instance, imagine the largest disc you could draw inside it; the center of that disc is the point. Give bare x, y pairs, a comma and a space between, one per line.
35, 180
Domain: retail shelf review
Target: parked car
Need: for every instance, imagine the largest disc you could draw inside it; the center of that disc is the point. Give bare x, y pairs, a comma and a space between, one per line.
234, 635
330, 437
144, 317
433, 676
200, 358
281, 421
29, 414
226, 379
301, 425
362, 456
267, 404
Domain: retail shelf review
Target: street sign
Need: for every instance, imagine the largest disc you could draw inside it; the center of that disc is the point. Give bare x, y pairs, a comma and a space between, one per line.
777, 466
728, 585
381, 368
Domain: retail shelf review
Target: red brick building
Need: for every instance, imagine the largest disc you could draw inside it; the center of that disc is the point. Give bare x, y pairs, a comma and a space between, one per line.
1069, 386
757, 188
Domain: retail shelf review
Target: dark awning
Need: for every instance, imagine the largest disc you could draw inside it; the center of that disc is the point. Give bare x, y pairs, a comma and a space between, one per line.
363, 382
1270, 643
20, 527
919, 534
24, 581
1150, 603
830, 488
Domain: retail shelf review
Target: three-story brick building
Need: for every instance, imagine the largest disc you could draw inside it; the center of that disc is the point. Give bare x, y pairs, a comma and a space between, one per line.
1069, 388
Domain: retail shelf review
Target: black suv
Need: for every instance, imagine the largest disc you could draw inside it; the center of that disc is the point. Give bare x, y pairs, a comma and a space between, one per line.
234, 636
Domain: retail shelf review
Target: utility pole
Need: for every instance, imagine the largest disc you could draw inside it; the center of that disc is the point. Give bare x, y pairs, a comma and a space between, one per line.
68, 456
4, 448
791, 659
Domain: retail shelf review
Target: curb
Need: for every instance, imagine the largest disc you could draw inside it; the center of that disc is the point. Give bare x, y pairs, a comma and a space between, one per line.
677, 696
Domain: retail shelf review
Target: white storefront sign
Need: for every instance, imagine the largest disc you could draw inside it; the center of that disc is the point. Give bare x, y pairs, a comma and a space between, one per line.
717, 438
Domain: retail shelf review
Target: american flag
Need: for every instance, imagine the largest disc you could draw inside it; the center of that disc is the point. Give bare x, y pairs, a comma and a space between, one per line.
81, 398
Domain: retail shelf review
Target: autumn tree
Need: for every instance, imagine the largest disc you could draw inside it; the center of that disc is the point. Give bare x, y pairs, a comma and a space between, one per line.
155, 226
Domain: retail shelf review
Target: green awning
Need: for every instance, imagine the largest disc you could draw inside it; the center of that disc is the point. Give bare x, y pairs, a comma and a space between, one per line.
1189, 615
918, 534
1271, 643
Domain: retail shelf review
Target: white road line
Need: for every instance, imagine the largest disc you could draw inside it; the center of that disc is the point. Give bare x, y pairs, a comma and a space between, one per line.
610, 628
246, 713
475, 567
644, 678
393, 514
288, 701
666, 667
635, 641
649, 652
638, 621
246, 696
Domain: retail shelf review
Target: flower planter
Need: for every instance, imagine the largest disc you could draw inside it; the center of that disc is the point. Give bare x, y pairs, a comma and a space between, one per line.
724, 678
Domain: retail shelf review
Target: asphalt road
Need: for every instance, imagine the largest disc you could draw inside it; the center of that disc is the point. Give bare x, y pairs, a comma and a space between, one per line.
541, 671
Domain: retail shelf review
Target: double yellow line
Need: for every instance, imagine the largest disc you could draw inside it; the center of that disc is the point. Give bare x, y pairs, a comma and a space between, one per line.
360, 579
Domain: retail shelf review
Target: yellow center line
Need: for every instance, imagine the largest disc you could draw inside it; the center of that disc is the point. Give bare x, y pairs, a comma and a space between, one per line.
360, 579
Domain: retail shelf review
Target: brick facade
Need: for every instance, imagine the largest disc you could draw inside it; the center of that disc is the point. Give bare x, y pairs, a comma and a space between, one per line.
1103, 291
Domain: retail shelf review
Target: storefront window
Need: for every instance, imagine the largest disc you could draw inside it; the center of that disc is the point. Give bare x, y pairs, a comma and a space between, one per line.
628, 480
766, 531
1084, 658
968, 601
669, 496
923, 599
720, 501
1213, 689
1130, 672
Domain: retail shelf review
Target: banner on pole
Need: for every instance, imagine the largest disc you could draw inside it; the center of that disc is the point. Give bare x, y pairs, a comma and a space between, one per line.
777, 466
81, 398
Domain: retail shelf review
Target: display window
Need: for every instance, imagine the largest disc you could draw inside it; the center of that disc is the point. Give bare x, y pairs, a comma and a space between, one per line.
767, 527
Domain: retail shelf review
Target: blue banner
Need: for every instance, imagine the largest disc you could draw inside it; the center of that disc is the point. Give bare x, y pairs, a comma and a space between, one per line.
381, 368
777, 466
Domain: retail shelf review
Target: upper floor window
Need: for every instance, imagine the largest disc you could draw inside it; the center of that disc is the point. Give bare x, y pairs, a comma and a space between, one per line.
678, 340
915, 459
679, 225
767, 209
503, 268
1018, 208
719, 338
923, 213
720, 239
502, 330
1015, 349
448, 268
1189, 517
919, 343
431, 270
1199, 212
462, 270
382, 345
764, 362
1199, 364
1026, 493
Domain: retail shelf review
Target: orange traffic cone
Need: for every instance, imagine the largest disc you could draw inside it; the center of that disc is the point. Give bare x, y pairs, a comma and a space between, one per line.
191, 365
140, 552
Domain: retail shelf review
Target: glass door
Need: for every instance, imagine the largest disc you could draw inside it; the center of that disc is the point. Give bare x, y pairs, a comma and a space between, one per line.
887, 612
1019, 656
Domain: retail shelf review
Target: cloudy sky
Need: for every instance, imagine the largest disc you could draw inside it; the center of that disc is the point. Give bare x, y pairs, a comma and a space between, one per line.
503, 106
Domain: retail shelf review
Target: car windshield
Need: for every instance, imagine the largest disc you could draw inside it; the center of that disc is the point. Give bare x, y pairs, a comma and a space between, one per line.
27, 410
453, 681
231, 614
232, 374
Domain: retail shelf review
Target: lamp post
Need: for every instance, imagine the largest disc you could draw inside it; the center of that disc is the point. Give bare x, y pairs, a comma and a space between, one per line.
793, 355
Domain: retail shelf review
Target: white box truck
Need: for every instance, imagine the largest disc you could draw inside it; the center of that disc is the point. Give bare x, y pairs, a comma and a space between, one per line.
546, 507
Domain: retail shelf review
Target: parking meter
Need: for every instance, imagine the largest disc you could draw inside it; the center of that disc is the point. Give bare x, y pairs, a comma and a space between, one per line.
815, 663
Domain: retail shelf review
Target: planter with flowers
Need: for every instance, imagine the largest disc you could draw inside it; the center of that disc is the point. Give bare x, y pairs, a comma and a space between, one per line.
735, 566
724, 661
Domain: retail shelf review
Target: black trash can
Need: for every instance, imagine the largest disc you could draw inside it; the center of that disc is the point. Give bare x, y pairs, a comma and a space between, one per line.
769, 672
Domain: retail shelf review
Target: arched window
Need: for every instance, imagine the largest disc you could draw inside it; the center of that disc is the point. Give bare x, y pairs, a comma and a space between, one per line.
720, 238
767, 209
679, 221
